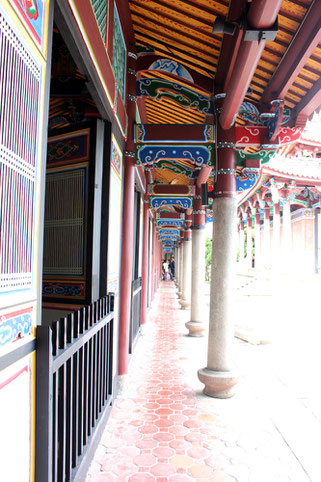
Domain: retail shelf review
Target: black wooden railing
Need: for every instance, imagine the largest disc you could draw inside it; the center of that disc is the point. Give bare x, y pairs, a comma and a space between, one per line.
135, 312
74, 389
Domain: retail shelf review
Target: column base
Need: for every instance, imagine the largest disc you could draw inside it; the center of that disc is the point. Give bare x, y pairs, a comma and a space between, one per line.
195, 328
218, 384
185, 304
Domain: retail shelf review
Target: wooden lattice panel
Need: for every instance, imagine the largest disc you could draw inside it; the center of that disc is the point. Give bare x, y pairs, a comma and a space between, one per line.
19, 100
65, 211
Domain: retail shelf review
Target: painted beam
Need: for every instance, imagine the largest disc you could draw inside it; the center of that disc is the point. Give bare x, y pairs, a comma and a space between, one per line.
165, 215
257, 136
171, 190
174, 133
203, 175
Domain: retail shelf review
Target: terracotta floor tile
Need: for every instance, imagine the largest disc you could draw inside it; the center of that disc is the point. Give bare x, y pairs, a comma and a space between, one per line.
164, 411
163, 437
180, 478
163, 452
164, 423
164, 401
195, 437
141, 477
145, 460
148, 429
162, 470
180, 461
178, 418
178, 430
146, 444
198, 453
201, 471
179, 444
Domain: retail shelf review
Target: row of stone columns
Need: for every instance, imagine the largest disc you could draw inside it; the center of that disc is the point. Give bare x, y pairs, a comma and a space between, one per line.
274, 250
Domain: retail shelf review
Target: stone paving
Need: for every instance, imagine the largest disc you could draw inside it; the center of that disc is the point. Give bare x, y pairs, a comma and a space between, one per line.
163, 428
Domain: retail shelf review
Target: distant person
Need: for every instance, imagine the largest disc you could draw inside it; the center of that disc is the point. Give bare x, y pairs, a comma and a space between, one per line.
165, 269
172, 268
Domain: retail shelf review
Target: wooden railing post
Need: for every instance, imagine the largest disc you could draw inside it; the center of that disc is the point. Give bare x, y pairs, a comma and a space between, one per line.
44, 409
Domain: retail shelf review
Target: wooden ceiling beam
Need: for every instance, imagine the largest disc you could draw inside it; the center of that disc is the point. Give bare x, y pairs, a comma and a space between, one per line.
229, 44
160, 27
190, 48
172, 18
177, 53
302, 46
262, 14
305, 108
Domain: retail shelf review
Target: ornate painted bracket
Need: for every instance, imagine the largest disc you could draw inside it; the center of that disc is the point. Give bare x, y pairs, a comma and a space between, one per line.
169, 222
168, 232
158, 201
149, 154
247, 179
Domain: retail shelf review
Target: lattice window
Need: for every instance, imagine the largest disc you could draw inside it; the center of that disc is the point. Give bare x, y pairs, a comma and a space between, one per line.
19, 101
65, 211
100, 10
119, 55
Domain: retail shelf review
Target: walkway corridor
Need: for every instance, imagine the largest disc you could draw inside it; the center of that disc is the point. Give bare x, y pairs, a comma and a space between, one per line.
162, 428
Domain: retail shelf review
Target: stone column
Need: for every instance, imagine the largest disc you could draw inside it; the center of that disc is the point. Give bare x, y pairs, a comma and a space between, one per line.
241, 243
181, 265
127, 225
286, 236
276, 237
187, 269
196, 326
249, 242
177, 263
219, 376
177, 267
267, 238
257, 242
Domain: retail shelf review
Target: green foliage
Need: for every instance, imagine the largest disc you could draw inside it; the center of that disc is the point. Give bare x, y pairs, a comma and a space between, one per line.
208, 258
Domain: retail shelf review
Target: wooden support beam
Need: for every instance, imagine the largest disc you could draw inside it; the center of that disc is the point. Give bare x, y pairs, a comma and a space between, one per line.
302, 46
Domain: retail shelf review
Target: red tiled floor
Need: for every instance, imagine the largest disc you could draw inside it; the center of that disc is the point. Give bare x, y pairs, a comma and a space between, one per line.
163, 430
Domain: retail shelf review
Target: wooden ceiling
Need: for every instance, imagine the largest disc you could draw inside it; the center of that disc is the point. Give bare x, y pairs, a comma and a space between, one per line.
181, 30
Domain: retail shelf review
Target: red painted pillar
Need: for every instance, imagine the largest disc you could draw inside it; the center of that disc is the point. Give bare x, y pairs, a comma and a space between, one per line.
143, 315
152, 271
127, 226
